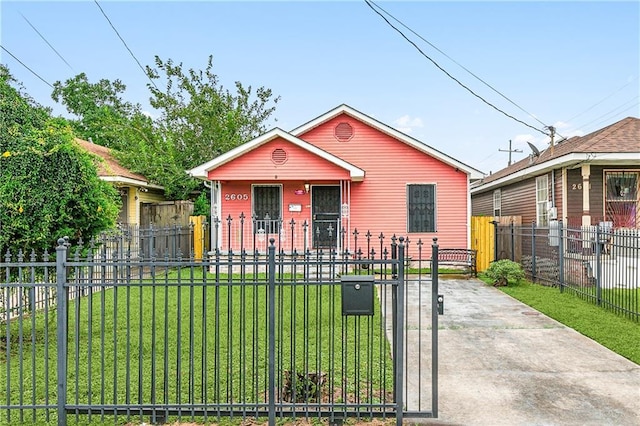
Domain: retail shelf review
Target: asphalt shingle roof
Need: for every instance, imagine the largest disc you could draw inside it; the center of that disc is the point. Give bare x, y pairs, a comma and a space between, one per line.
620, 137
109, 167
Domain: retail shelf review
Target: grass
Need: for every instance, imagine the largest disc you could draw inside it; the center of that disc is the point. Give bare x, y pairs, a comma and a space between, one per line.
157, 341
611, 330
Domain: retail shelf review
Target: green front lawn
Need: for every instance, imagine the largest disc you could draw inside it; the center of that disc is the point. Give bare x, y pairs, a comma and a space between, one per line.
157, 341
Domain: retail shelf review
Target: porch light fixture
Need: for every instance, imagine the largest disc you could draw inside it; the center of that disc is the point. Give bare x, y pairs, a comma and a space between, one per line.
306, 187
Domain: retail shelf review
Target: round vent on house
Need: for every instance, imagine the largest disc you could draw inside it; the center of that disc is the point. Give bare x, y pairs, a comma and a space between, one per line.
279, 156
344, 132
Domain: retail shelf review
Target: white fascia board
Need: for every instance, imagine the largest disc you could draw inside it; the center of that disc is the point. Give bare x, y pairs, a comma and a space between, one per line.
615, 158
201, 172
573, 159
356, 173
420, 146
129, 181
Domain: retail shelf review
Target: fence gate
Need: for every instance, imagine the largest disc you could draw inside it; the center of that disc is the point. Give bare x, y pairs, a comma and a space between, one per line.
248, 335
482, 240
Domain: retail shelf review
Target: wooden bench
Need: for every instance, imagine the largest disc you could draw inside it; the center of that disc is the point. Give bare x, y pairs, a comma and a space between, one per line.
465, 258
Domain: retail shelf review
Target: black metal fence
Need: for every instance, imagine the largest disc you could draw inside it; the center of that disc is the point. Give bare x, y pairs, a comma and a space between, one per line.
237, 334
598, 263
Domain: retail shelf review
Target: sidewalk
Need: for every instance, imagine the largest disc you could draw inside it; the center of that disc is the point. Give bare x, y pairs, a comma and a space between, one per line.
503, 363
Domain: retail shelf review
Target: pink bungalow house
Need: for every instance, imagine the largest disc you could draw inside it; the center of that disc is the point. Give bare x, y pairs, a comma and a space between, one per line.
342, 172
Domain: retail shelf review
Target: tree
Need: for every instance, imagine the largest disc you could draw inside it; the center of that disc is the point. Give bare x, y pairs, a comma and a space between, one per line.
202, 117
100, 112
198, 120
49, 186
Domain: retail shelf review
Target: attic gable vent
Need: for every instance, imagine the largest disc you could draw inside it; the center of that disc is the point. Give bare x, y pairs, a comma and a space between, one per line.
343, 132
279, 156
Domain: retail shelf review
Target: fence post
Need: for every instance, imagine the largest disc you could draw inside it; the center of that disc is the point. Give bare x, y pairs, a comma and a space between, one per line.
399, 358
533, 251
434, 327
495, 239
513, 242
560, 256
394, 256
272, 332
598, 266
61, 328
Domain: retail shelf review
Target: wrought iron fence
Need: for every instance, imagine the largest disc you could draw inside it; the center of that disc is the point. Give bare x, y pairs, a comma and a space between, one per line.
598, 263
237, 334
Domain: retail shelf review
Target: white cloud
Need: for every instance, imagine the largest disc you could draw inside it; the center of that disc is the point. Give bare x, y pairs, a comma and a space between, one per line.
520, 142
523, 138
542, 142
407, 124
569, 134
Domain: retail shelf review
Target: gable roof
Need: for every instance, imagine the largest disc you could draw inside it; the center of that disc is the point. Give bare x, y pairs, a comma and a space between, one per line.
110, 170
202, 171
617, 143
402, 137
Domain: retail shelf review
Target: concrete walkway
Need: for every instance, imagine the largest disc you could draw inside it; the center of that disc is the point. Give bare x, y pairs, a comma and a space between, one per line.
503, 363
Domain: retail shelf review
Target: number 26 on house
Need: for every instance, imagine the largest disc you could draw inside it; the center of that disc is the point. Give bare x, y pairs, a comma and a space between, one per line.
578, 186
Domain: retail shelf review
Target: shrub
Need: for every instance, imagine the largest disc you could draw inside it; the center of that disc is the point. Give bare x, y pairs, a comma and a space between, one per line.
49, 186
503, 271
201, 206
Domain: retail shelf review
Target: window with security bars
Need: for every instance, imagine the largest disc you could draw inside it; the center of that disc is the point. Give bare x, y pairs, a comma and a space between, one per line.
421, 208
267, 208
621, 202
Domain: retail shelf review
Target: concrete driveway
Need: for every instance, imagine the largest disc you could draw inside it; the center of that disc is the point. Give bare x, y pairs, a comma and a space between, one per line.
503, 363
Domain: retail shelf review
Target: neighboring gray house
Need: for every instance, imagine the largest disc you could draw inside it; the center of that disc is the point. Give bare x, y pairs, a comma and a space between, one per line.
582, 181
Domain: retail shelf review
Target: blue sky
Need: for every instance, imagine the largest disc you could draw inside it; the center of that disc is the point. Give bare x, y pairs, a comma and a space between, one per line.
573, 65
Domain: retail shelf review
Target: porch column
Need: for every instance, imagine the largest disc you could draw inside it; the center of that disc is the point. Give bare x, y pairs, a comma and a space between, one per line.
215, 214
586, 214
345, 211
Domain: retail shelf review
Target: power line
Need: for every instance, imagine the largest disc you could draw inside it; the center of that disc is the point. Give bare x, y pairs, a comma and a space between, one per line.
611, 112
46, 41
450, 76
614, 111
459, 64
23, 64
600, 101
125, 44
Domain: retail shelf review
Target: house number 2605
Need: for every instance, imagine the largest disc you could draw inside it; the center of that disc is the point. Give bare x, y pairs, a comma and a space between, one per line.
236, 197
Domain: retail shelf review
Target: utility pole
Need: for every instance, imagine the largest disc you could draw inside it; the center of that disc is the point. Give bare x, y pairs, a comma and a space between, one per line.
509, 151
552, 131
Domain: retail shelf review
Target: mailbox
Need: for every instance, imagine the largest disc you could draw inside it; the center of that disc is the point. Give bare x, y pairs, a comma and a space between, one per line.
357, 294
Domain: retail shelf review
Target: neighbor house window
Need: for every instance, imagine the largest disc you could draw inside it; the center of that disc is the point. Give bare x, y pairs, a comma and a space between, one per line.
542, 199
497, 202
621, 200
267, 208
421, 205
